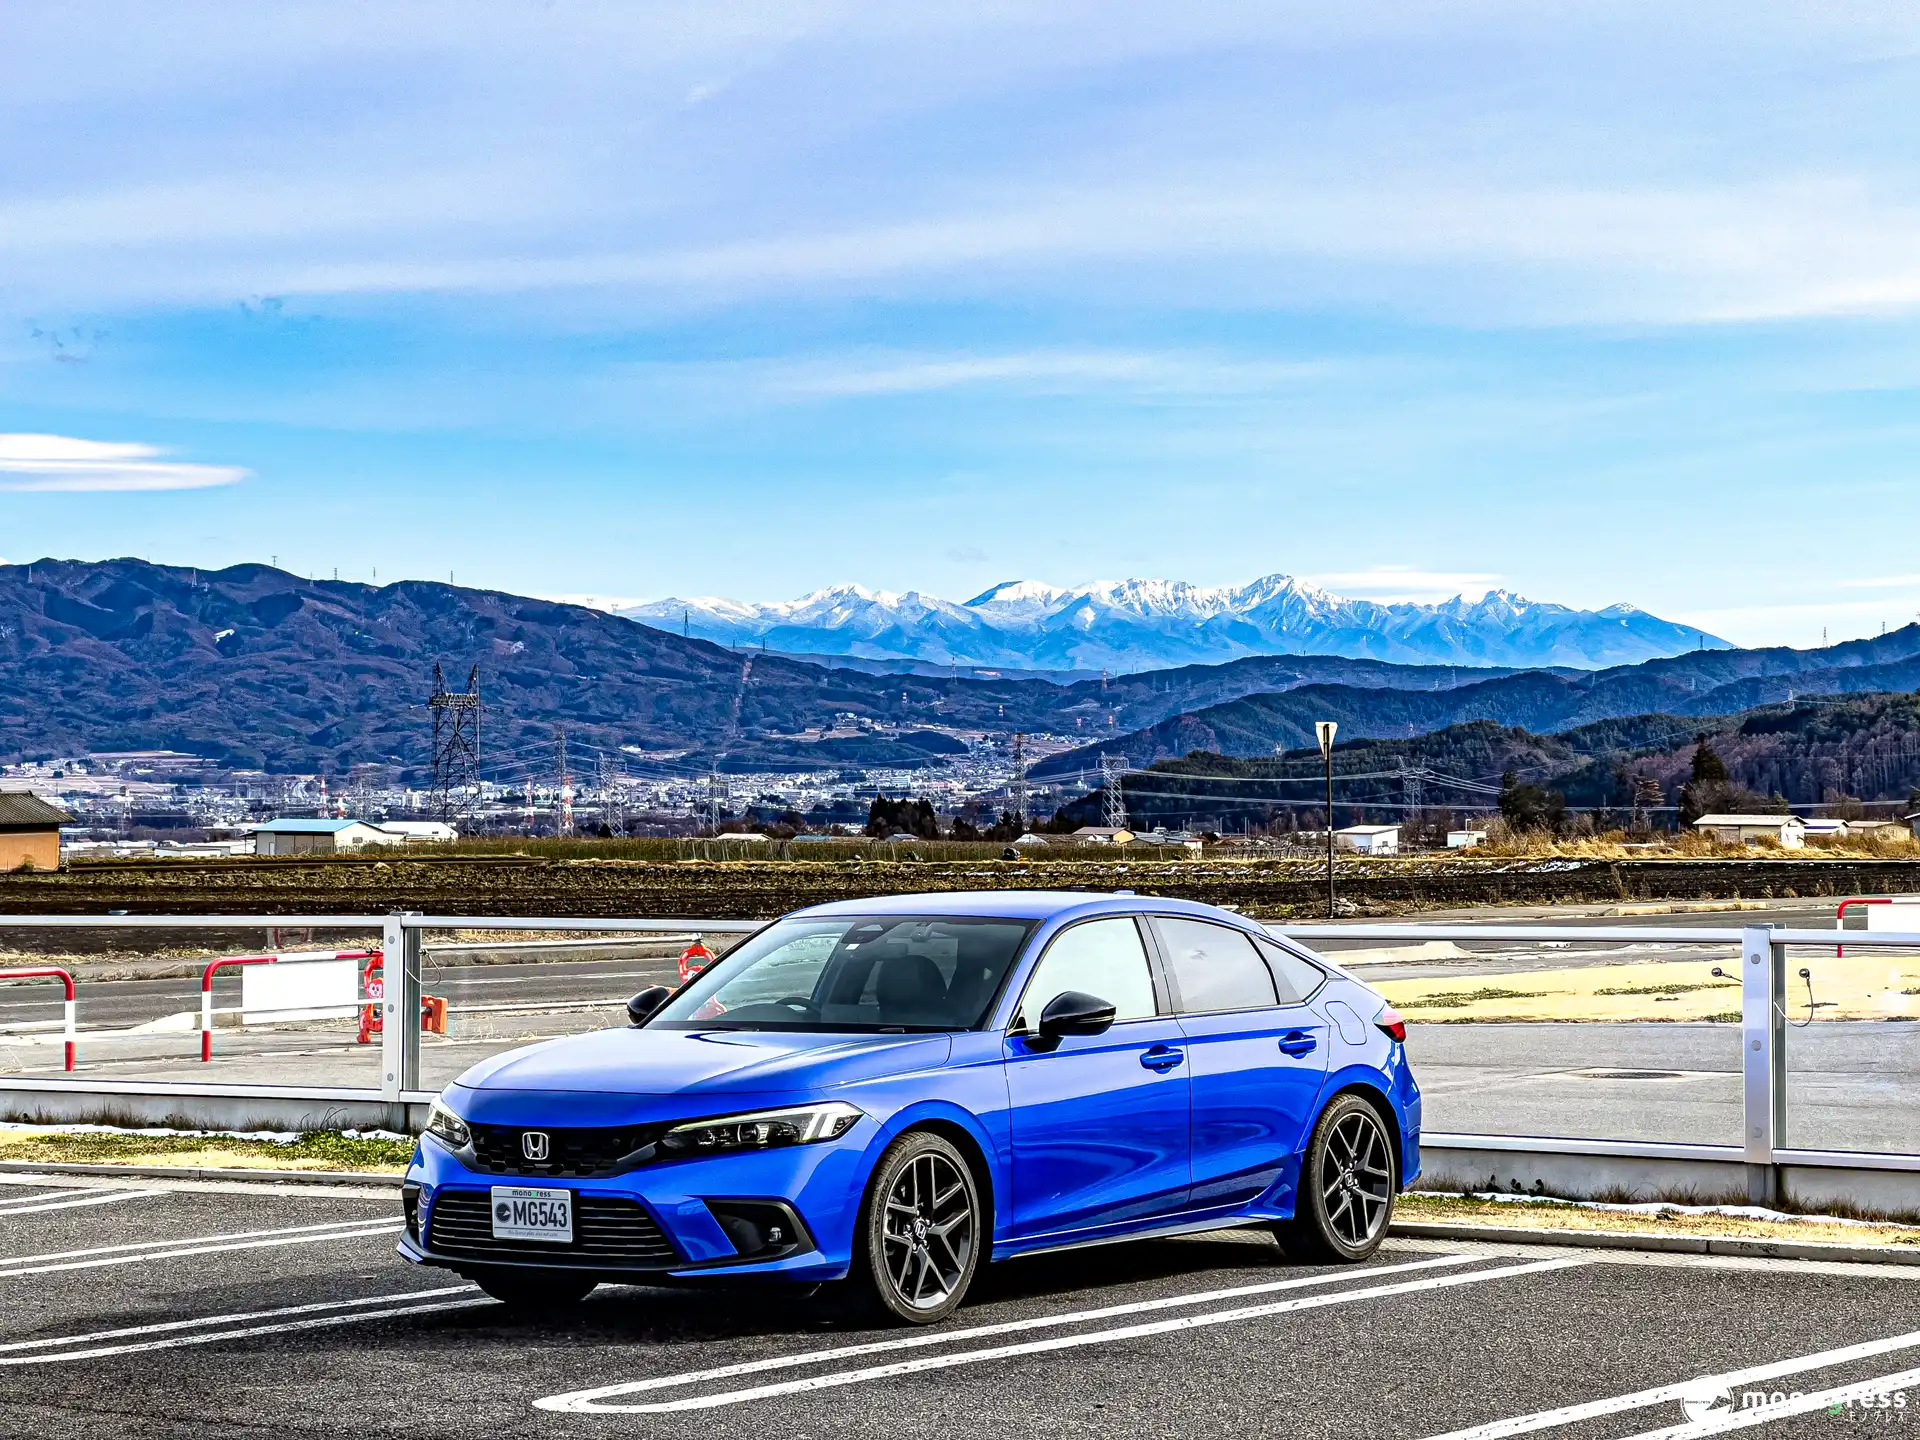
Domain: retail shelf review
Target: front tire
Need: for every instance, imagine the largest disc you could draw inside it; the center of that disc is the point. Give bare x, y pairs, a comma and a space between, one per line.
920, 1236
1348, 1183
535, 1290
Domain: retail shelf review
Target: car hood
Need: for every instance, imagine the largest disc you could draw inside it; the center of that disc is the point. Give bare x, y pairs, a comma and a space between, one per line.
674, 1062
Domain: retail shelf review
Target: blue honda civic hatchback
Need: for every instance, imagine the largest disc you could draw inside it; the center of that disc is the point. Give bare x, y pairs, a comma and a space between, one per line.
893, 1092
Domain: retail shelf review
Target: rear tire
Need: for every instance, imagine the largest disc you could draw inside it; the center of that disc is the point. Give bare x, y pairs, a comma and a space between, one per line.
534, 1290
1348, 1182
919, 1241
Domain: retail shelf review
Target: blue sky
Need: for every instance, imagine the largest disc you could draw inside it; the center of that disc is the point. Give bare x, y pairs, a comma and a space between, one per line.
1596, 302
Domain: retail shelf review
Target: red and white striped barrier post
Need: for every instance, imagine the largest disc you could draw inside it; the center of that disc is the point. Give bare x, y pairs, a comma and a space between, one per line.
66, 980
1840, 916
206, 996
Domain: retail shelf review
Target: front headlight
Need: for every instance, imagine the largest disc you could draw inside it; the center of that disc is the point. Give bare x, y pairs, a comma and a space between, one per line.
763, 1129
446, 1127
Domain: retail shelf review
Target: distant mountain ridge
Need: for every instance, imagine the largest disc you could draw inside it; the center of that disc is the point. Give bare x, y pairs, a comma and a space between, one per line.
1704, 683
1151, 624
1806, 754
262, 669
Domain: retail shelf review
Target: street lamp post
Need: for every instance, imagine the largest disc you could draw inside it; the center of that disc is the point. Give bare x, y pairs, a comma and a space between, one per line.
1324, 731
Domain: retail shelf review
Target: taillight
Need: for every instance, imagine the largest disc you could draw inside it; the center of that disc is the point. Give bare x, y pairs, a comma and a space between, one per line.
1392, 1024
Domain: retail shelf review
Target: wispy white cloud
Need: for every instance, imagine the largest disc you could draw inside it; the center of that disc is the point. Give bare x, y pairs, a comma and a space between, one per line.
1882, 582
61, 463
900, 374
1634, 162
1395, 584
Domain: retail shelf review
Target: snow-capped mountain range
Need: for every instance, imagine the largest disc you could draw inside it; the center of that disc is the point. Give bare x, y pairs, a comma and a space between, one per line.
1152, 624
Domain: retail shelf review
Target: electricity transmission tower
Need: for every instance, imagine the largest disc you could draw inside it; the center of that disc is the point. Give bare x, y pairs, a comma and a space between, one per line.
1413, 782
456, 746
564, 823
1020, 780
1112, 768
613, 800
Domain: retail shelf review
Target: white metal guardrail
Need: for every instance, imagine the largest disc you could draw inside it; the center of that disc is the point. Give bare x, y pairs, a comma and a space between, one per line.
1762, 1155
1763, 1025
400, 942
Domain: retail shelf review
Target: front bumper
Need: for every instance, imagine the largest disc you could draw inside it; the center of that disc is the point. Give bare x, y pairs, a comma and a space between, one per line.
697, 1217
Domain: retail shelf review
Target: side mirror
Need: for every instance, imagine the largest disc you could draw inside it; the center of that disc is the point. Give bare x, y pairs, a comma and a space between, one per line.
641, 1007
1074, 1012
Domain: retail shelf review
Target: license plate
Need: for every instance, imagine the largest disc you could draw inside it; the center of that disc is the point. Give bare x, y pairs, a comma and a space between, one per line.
521, 1213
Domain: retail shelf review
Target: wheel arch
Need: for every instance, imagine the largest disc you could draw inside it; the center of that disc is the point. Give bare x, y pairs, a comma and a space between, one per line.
1368, 1087
963, 1132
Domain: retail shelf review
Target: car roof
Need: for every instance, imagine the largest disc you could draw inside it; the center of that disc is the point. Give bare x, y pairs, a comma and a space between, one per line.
1018, 904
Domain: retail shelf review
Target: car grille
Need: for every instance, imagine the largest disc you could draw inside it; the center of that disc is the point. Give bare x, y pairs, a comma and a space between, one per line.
575, 1152
606, 1230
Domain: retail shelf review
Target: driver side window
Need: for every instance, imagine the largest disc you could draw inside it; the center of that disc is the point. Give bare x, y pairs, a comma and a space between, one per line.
1097, 957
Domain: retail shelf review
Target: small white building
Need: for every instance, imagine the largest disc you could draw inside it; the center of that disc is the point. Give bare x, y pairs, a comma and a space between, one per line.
1369, 839
1789, 831
1102, 835
1872, 827
1465, 839
307, 837
422, 832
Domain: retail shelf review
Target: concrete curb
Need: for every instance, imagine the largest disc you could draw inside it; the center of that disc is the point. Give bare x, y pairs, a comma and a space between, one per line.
1749, 1249
187, 1172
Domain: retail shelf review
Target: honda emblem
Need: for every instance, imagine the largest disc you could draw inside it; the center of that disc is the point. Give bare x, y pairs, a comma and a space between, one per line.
533, 1144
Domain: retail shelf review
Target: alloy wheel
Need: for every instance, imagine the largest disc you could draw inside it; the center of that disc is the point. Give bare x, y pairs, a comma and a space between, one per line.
928, 1231
1356, 1178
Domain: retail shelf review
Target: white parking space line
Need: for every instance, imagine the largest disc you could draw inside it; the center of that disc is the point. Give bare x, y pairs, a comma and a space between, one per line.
140, 1337
595, 1401
13, 1200
314, 1322
78, 1200
143, 1251
1698, 1385
1008, 1327
1839, 1395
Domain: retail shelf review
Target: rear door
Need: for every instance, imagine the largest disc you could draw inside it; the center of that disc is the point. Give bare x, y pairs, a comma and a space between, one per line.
1100, 1122
1257, 1063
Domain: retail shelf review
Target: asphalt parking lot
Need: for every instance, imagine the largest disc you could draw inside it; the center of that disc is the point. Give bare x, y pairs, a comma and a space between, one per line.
182, 1308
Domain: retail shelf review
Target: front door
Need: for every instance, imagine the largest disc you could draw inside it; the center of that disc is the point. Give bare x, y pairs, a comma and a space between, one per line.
1099, 1122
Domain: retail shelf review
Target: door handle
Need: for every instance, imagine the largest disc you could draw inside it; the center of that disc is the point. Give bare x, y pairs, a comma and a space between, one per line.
1297, 1043
1162, 1058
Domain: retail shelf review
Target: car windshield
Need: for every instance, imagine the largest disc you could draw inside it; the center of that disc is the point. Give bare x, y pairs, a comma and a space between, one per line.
855, 973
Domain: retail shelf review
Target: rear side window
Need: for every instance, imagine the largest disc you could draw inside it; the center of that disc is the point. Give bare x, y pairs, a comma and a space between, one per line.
1098, 957
1213, 967
1295, 978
